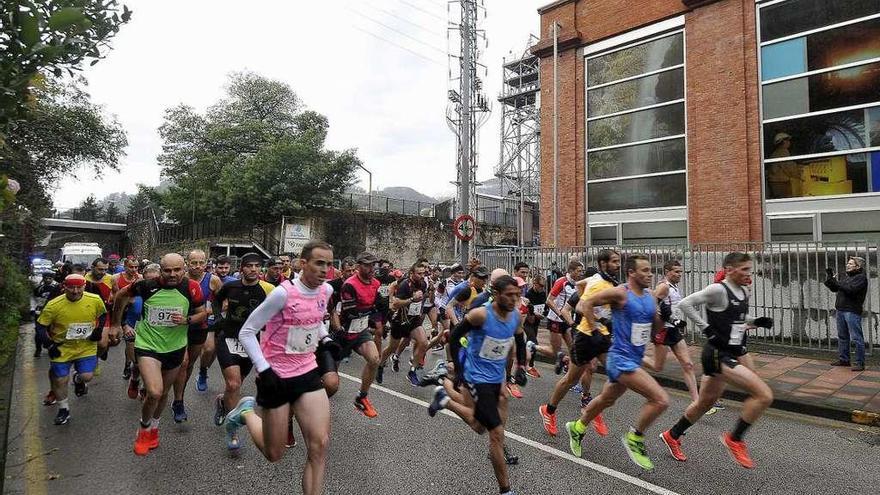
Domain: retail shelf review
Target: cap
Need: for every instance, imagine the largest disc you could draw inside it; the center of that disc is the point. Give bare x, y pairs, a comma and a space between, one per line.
251, 258
365, 258
396, 273
780, 137
74, 280
456, 268
480, 272
113, 257
273, 261
519, 281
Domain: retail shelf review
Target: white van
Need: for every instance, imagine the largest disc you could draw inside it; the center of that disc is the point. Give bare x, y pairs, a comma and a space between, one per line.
80, 252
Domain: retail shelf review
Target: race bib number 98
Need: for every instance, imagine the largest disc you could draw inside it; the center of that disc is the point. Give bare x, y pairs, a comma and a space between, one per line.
161, 317
641, 333
495, 349
79, 331
302, 340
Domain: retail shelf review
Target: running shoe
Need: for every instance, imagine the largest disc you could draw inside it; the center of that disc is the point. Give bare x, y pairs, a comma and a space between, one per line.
232, 442
133, 388
380, 374
439, 402
673, 445
79, 387
234, 419
514, 390
509, 459
179, 411
439, 367
574, 439
142, 442
437, 348
413, 377
635, 447
291, 440
62, 417
548, 419
576, 389
126, 371
219, 410
719, 405
600, 426
559, 363
712, 410
432, 378
50, 398
395, 363
154, 438
202, 382
364, 405
738, 450
585, 400
532, 346
533, 372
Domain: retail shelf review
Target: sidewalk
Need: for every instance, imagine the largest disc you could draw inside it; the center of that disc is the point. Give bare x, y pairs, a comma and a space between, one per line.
802, 385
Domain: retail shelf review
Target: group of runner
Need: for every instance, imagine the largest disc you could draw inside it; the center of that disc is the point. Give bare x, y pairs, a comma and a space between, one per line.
298, 320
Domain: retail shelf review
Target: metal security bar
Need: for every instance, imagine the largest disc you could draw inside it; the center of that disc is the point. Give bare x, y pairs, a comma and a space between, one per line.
788, 282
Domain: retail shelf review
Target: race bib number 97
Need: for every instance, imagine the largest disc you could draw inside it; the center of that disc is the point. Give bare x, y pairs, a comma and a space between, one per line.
79, 331
162, 317
495, 349
302, 340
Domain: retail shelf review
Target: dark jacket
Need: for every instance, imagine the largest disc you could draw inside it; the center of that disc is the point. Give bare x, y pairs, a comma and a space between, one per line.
850, 289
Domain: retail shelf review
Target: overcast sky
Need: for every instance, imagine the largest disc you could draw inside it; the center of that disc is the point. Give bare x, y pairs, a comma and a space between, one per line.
387, 101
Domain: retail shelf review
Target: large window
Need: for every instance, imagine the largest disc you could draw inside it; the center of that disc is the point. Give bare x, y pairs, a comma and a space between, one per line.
636, 127
820, 73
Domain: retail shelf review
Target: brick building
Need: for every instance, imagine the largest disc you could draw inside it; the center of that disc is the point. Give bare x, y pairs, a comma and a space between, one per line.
709, 121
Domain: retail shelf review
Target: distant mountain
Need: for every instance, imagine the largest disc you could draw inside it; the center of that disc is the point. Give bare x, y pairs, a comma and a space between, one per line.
406, 193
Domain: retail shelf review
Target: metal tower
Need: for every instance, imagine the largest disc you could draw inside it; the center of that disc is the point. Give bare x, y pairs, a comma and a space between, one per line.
468, 107
519, 166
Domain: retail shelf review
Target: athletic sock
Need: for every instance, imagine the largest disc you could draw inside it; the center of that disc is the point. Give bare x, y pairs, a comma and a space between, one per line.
362, 395
678, 430
551, 409
145, 426
154, 423
740, 430
580, 427
63, 404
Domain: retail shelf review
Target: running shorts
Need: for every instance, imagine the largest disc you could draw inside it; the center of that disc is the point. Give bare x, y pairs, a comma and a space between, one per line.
326, 363
169, 360
486, 397
616, 365
402, 331
350, 343
227, 358
586, 347
290, 389
668, 336
713, 358
196, 336
82, 365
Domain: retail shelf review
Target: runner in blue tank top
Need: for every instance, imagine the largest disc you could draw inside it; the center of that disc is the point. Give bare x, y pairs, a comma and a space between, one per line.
492, 330
634, 315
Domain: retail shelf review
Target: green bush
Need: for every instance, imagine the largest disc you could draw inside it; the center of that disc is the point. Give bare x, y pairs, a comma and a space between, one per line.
14, 292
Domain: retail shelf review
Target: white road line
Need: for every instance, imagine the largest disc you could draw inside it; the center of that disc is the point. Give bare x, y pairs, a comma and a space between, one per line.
531, 443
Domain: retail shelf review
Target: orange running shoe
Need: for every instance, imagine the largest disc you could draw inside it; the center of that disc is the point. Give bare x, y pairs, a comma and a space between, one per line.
548, 419
365, 406
600, 426
737, 450
673, 445
533, 372
154, 438
142, 442
514, 390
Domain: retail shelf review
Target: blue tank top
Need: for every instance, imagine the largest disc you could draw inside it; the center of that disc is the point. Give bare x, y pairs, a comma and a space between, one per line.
205, 285
631, 325
488, 347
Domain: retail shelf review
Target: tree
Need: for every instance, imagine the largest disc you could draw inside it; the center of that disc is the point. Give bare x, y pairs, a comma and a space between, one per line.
260, 152
39, 38
111, 213
89, 210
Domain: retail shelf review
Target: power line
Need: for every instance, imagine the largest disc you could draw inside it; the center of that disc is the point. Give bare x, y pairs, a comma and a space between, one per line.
399, 46
397, 31
422, 10
404, 19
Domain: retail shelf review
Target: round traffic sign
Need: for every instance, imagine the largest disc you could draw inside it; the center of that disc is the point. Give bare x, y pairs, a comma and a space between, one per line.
464, 227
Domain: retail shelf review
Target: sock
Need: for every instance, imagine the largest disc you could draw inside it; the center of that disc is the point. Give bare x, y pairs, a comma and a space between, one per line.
580, 427
154, 423
636, 432
203, 371
532, 361
505, 490
144, 426
740, 430
63, 404
678, 430
551, 409
362, 395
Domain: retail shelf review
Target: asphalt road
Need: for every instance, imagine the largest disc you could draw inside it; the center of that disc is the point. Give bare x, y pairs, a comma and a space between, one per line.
403, 451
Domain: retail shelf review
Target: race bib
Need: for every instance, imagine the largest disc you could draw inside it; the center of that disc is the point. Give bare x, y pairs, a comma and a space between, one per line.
302, 340
495, 349
235, 347
415, 309
737, 331
640, 333
358, 325
384, 290
79, 331
161, 317
539, 309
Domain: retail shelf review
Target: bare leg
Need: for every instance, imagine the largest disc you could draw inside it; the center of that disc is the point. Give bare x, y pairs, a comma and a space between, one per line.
232, 392
312, 412
192, 355
269, 432
680, 350
371, 355
657, 400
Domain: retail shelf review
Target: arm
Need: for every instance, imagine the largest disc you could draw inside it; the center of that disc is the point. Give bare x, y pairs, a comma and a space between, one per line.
832, 284
712, 295
853, 285
120, 301
397, 303
551, 296
613, 296
258, 318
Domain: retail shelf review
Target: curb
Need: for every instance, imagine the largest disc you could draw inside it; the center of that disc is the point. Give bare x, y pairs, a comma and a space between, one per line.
7, 376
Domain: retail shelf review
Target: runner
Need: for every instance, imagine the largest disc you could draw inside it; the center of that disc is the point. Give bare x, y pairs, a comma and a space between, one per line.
361, 319
198, 332
727, 307
633, 314
132, 315
47, 290
558, 322
99, 279
591, 342
242, 297
286, 268
293, 316
222, 267
113, 265
536, 295
456, 274
128, 276
273, 273
69, 327
407, 304
463, 294
383, 305
491, 331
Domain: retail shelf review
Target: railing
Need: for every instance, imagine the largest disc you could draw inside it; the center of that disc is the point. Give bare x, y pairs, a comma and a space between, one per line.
788, 282
382, 204
265, 235
87, 216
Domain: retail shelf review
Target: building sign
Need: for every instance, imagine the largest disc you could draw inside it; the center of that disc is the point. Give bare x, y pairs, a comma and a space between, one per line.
297, 232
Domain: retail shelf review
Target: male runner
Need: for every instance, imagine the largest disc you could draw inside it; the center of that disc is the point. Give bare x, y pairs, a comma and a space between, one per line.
286, 268
491, 330
222, 266
132, 315
171, 303
128, 276
591, 341
242, 297
383, 304
361, 320
408, 319
536, 295
559, 322
47, 290
727, 308
293, 317
99, 279
273, 273
633, 315
69, 327
456, 274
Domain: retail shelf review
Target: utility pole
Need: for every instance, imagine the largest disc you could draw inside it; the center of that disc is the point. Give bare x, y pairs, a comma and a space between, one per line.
467, 27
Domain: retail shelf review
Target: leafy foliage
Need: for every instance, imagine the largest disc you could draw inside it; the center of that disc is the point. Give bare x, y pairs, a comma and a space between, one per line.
14, 291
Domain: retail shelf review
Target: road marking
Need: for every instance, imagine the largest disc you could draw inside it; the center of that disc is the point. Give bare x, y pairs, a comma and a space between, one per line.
35, 470
531, 443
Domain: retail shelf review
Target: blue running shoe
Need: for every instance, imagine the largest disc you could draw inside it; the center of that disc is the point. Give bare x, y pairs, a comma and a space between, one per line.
234, 418
179, 411
232, 442
219, 410
413, 377
202, 383
439, 402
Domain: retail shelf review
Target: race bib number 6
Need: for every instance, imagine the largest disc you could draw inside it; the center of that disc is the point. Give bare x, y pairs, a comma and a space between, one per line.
641, 333
302, 340
79, 331
162, 317
495, 349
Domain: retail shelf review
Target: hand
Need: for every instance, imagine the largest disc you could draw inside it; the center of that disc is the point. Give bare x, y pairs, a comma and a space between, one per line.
54, 351
331, 346
417, 296
764, 322
268, 381
520, 377
830, 272
178, 319
128, 332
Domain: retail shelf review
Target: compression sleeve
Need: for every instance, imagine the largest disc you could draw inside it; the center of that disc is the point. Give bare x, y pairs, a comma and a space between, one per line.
713, 297
460, 330
520, 341
272, 305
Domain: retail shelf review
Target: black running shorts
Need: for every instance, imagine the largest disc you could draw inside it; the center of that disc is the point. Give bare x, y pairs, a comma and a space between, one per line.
227, 358
486, 398
290, 390
669, 336
713, 358
169, 360
586, 347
